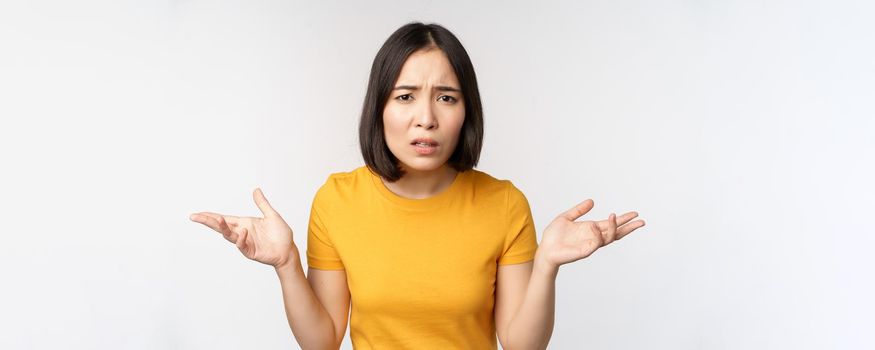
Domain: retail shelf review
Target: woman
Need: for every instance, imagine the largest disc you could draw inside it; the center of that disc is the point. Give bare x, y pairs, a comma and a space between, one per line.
430, 252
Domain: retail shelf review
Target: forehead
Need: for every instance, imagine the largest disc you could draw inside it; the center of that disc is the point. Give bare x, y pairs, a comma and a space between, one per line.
427, 66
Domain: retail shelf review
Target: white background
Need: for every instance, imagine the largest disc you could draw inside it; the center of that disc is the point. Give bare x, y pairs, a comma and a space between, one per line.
742, 131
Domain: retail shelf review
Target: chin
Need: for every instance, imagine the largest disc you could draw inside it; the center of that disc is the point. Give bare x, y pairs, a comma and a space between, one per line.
422, 164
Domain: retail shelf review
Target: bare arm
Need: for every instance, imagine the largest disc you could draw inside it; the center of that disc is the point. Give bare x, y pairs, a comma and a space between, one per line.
316, 307
314, 325
527, 298
525, 304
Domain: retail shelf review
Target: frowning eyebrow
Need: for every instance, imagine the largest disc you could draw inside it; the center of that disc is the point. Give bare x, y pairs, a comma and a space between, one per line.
438, 88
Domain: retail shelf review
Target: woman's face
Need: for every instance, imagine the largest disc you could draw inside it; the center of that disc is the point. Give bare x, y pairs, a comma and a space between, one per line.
426, 102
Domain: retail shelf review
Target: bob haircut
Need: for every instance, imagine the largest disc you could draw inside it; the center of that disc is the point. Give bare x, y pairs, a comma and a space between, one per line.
385, 70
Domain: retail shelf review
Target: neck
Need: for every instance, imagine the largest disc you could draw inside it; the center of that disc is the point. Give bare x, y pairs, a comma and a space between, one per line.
417, 184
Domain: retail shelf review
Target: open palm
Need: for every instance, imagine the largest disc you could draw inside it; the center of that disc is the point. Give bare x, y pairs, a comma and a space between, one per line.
566, 241
267, 240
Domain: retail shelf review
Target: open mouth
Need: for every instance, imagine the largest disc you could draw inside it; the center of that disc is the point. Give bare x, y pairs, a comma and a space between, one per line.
424, 142
424, 148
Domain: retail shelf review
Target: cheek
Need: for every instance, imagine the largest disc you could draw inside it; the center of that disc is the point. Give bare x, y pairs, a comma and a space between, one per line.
457, 120
392, 123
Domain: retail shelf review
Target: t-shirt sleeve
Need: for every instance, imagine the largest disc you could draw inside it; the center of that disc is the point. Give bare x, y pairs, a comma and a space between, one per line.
321, 253
521, 242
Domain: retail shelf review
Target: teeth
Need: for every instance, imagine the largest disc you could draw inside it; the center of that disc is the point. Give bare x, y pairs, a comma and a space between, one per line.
422, 144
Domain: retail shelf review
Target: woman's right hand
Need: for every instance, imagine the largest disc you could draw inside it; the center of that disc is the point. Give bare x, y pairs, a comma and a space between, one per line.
267, 240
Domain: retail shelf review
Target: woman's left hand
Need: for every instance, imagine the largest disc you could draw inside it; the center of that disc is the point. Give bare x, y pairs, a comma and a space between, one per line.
566, 241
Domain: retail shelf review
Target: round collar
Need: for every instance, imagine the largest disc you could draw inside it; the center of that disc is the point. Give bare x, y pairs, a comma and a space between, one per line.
434, 202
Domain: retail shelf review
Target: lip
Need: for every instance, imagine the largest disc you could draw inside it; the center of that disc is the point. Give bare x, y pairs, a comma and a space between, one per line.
427, 140
425, 150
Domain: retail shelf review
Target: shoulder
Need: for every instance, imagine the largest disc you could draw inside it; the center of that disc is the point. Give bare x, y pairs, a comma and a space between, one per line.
514, 198
485, 183
339, 184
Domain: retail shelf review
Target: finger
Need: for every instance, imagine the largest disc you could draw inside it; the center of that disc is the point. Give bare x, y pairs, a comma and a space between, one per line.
206, 220
598, 235
232, 236
611, 231
217, 215
217, 225
231, 219
622, 219
262, 203
628, 228
578, 210
241, 239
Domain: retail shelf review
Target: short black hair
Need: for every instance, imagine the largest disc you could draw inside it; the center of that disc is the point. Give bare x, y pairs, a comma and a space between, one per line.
385, 70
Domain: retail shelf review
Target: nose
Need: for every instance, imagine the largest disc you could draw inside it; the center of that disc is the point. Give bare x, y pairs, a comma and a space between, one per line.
426, 118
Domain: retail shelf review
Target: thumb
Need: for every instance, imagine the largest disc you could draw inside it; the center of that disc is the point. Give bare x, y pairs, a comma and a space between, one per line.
578, 210
262, 203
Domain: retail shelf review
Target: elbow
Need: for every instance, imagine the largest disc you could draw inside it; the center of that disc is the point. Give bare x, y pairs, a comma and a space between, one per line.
506, 345
328, 347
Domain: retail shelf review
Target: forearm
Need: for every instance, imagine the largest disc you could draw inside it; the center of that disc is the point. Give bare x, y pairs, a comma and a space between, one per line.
310, 322
532, 325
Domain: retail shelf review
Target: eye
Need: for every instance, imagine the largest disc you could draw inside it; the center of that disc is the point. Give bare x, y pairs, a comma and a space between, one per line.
405, 97
447, 99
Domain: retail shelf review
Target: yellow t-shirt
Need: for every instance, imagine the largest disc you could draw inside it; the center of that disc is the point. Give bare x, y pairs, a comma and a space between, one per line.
421, 272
